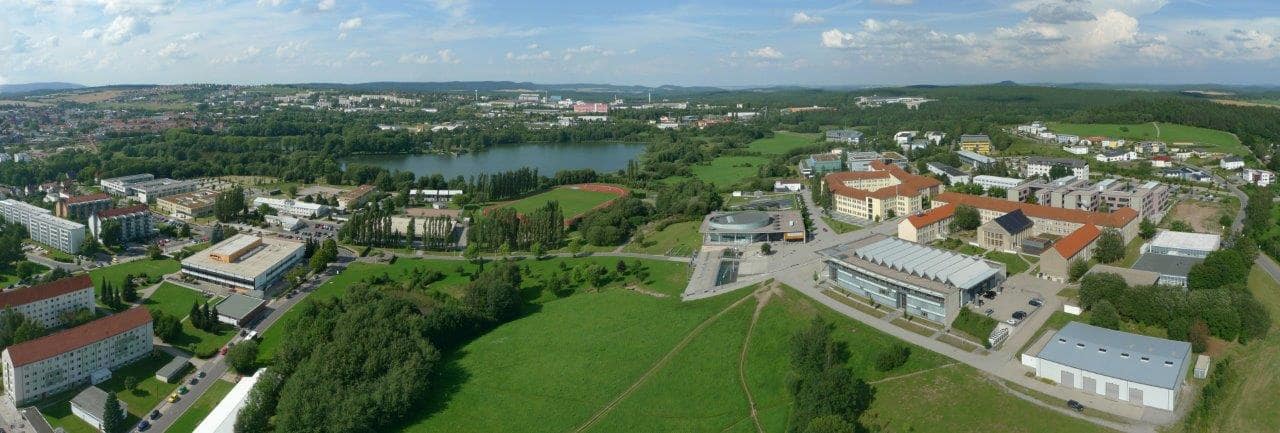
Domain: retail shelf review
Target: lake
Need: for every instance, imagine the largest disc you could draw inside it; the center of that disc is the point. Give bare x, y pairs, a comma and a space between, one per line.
548, 158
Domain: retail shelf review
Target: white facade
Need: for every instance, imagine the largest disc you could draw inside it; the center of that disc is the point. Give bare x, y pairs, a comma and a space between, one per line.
253, 267
1042, 167
1096, 384
296, 209
46, 303
987, 181
1076, 149
121, 185
1258, 177
32, 371
1116, 156
1231, 163
903, 137
149, 191
43, 227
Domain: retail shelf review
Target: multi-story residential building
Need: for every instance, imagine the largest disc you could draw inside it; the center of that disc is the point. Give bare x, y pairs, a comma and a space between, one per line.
121, 185
43, 227
903, 137
1161, 161
850, 136
47, 303
1076, 149
1067, 138
977, 143
87, 353
1115, 155
1038, 166
953, 175
885, 191
1045, 219
1150, 147
1258, 177
135, 222
1148, 198
590, 107
189, 205
296, 209
149, 191
935, 137
916, 144
1231, 162
356, 197
81, 207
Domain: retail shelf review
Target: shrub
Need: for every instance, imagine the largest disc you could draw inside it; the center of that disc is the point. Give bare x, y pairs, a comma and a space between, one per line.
893, 357
975, 324
1105, 315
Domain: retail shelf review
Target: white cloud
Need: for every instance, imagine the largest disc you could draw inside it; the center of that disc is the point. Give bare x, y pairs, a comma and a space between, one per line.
271, 3
351, 24
248, 53
193, 36
326, 5
19, 42
174, 50
835, 38
447, 56
357, 54
122, 29
455, 8
291, 50
442, 56
766, 52
538, 56
802, 18
894, 2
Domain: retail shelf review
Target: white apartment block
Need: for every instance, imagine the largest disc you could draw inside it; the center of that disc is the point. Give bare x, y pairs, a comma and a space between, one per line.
135, 222
87, 353
296, 209
43, 227
1258, 177
46, 303
1041, 166
988, 181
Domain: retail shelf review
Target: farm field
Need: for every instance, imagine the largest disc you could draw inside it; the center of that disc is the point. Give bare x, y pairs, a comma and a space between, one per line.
679, 239
672, 366
666, 277
781, 142
1209, 139
574, 202
153, 269
202, 407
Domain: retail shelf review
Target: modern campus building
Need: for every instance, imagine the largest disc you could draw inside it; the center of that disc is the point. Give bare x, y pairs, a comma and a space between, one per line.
434, 195
121, 185
1040, 166
975, 159
48, 302
356, 197
135, 222
861, 161
926, 227
930, 283
43, 227
1045, 220
190, 205
81, 207
90, 405
953, 175
1142, 370
885, 191
238, 310
745, 227
977, 143
989, 181
296, 209
850, 136
244, 262
819, 163
149, 191
1148, 198
1188, 244
54, 363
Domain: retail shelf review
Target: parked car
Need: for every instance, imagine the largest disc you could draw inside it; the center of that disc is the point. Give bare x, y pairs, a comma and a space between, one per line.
1075, 405
174, 398
990, 294
144, 425
1019, 315
200, 375
183, 390
1036, 302
989, 312
155, 414
193, 381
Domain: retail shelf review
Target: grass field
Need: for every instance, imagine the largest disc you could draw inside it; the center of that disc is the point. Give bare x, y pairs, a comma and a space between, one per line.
781, 142
1209, 139
201, 343
1024, 146
174, 300
840, 226
666, 277
726, 171
1012, 262
144, 396
201, 408
8, 276
544, 380
116, 273
679, 239
573, 202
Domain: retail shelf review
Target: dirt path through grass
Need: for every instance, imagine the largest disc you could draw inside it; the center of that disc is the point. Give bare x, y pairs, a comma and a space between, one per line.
662, 362
762, 299
904, 376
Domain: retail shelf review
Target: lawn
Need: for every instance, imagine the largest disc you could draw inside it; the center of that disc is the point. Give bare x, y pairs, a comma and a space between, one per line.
573, 202
174, 300
725, 171
201, 408
9, 276
840, 226
1209, 139
543, 379
154, 269
679, 239
1024, 146
667, 277
144, 396
781, 142
1012, 262
201, 343
1132, 252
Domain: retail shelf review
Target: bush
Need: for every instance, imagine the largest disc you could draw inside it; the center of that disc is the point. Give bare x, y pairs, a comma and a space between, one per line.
244, 357
892, 358
975, 324
1199, 336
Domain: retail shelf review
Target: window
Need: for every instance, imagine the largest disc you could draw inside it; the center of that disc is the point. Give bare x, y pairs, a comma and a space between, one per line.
1168, 363
1062, 340
1102, 350
1145, 359
1080, 345
1124, 355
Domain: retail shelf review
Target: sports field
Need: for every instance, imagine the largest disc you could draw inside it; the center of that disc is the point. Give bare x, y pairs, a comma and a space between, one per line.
634, 362
573, 201
781, 142
1206, 139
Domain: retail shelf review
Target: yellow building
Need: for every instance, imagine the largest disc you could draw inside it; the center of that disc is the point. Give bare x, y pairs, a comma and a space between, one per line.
882, 193
978, 143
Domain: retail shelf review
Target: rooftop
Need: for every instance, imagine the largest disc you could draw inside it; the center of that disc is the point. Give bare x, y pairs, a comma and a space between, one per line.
1071, 244
94, 401
1044, 160
1186, 240
175, 366
70, 339
1118, 219
1013, 222
115, 212
932, 215
949, 170
909, 184
237, 306
974, 138
251, 265
27, 295
1133, 277
88, 198
974, 156
1166, 265
1132, 357
914, 263
752, 221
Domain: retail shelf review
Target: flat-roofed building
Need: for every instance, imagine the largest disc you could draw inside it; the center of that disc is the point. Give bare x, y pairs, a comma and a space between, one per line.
149, 191
135, 222
1132, 277
851, 136
877, 194
820, 163
1042, 166
296, 209
172, 371
81, 207
746, 227
953, 175
927, 226
121, 185
43, 227
90, 405
926, 282
975, 159
1142, 370
46, 303
190, 205
989, 181
1171, 243
1055, 262
434, 195
1046, 219
356, 197
238, 310
222, 419
1148, 198
1173, 270
978, 143
245, 262
60, 361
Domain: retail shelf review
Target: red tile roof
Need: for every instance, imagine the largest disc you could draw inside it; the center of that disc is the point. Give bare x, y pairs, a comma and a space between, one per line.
65, 341
1073, 243
910, 185
88, 198
122, 211
1117, 219
39, 292
933, 215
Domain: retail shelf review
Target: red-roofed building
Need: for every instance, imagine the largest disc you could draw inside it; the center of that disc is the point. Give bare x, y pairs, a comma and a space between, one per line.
81, 207
927, 226
885, 191
135, 222
87, 353
1046, 219
1055, 262
46, 303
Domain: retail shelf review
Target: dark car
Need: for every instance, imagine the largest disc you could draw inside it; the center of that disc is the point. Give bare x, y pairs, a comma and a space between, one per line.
1019, 315
155, 414
1035, 303
200, 375
1075, 405
144, 425
990, 294
193, 381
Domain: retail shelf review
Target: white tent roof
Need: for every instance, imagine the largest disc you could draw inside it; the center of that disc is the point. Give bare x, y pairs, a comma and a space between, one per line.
223, 417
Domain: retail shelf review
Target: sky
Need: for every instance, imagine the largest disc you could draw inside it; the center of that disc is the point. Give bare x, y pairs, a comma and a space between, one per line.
652, 42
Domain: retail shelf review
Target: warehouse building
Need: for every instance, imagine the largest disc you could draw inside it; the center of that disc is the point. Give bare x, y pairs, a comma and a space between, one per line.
745, 227
135, 222
43, 227
1173, 270
88, 353
46, 303
81, 207
244, 262
121, 185
1186, 244
930, 283
1142, 370
885, 191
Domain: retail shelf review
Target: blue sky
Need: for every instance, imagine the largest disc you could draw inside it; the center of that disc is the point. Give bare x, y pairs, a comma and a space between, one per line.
632, 42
